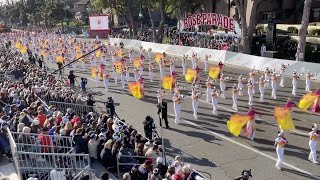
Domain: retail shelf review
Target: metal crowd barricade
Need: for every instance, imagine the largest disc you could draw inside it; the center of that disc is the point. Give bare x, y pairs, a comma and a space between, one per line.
78, 109
14, 149
40, 164
38, 143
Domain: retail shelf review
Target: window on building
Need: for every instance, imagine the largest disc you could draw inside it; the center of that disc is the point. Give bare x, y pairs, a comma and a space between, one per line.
316, 14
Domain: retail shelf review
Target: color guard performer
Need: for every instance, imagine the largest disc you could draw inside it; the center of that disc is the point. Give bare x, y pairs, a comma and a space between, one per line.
127, 73
195, 100
282, 74
222, 86
267, 77
136, 74
106, 79
115, 75
251, 127
221, 68
274, 79
206, 59
177, 100
241, 81
308, 78
123, 77
280, 142
209, 85
172, 65
261, 88
183, 63
295, 78
313, 142
250, 92
141, 64
235, 93
193, 60
151, 70
215, 101
252, 76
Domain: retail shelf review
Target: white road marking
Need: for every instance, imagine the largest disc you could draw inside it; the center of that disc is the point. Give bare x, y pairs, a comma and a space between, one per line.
249, 148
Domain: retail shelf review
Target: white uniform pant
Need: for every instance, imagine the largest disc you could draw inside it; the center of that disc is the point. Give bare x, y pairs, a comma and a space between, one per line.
106, 83
136, 77
294, 86
183, 68
251, 132
267, 84
128, 76
214, 105
195, 105
113, 58
313, 150
208, 97
82, 63
115, 77
171, 69
250, 94
151, 76
261, 89
123, 81
205, 66
161, 73
130, 58
280, 154
177, 112
141, 70
222, 88
240, 87
308, 86
274, 90
235, 102
97, 80
282, 80
253, 87
194, 64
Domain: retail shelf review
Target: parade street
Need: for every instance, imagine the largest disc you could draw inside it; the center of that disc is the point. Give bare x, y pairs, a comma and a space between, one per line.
206, 143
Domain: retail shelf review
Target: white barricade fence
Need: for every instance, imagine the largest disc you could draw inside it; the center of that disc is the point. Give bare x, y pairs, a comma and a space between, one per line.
14, 149
229, 58
78, 109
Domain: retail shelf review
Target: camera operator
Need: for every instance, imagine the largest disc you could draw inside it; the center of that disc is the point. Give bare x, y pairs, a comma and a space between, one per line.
60, 67
149, 126
110, 106
83, 84
162, 109
71, 78
90, 102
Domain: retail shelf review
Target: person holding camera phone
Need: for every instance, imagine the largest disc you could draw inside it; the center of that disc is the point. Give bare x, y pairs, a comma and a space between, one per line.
148, 126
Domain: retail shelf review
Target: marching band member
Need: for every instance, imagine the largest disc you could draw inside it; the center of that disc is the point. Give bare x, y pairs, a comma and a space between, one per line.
106, 79
113, 56
177, 88
172, 65
261, 88
127, 73
274, 79
161, 67
130, 54
195, 100
206, 59
295, 78
177, 100
221, 68
214, 100
240, 84
160, 97
209, 85
222, 86
313, 142
193, 60
308, 78
235, 93
267, 77
136, 74
251, 128
151, 69
184, 59
196, 79
280, 142
141, 63
97, 72
282, 74
252, 76
115, 75
123, 77
250, 92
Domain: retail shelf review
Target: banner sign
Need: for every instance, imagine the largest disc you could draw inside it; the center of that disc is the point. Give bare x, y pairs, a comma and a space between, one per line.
212, 19
99, 22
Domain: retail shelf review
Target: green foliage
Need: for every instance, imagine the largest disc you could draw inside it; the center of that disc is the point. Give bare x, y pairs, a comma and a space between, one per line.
293, 30
314, 32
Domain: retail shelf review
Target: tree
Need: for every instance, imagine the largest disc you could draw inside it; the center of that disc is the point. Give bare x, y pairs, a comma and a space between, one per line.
247, 10
303, 31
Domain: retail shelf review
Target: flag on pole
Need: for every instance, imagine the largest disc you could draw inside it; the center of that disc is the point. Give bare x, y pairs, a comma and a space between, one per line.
119, 53
214, 72
307, 100
18, 45
236, 123
190, 75
94, 72
158, 56
98, 53
167, 82
59, 58
135, 89
119, 66
284, 118
136, 62
23, 49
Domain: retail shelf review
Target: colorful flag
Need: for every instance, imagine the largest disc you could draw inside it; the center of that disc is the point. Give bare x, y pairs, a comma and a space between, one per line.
135, 89
167, 82
119, 53
307, 100
284, 118
136, 62
93, 72
214, 72
18, 45
190, 75
98, 53
23, 49
158, 56
236, 123
119, 66
59, 58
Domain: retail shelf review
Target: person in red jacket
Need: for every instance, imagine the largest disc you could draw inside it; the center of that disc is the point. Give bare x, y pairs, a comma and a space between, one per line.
45, 140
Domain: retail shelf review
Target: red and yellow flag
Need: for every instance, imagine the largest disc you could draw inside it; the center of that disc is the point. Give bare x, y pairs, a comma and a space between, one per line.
94, 72
167, 82
190, 75
284, 118
135, 89
119, 53
59, 58
119, 66
23, 49
307, 100
236, 123
214, 72
158, 56
136, 62
98, 53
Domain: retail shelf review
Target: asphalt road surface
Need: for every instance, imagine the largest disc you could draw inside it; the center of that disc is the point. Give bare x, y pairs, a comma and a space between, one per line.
206, 143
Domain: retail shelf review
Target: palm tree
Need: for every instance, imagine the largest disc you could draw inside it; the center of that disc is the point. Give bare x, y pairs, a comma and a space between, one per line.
303, 31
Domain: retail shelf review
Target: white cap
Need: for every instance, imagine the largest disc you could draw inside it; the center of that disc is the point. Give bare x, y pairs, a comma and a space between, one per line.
159, 160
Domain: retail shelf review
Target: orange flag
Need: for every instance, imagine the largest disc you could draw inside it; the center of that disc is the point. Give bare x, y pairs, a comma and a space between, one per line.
214, 72
119, 66
93, 72
284, 118
23, 49
119, 53
158, 57
59, 58
167, 82
236, 123
190, 75
135, 89
307, 100
98, 53
136, 62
